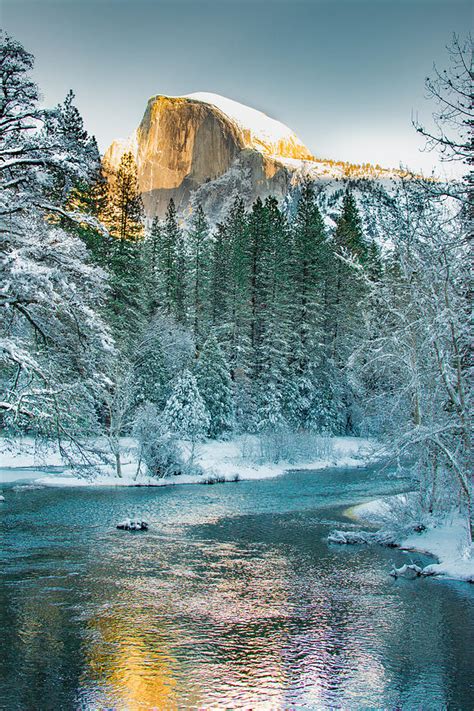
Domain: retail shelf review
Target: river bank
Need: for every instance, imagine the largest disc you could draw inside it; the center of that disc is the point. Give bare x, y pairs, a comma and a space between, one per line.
217, 461
446, 539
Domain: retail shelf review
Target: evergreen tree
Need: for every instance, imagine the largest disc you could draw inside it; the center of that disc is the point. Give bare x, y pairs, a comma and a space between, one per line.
347, 287
168, 256
151, 258
215, 386
310, 264
349, 235
173, 266
90, 197
126, 304
346, 291
125, 218
55, 349
151, 374
199, 249
373, 265
221, 281
236, 229
308, 270
275, 313
258, 277
270, 417
185, 413
65, 127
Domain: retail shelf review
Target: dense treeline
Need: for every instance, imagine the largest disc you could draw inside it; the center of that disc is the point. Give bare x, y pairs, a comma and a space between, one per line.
281, 297
281, 318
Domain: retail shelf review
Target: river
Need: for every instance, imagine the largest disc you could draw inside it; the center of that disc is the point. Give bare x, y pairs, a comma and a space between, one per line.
232, 599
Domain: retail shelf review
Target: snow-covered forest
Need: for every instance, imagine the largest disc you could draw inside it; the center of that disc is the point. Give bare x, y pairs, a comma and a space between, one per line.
343, 310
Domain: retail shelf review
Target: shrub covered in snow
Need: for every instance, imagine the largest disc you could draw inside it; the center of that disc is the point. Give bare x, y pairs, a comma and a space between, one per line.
283, 445
158, 448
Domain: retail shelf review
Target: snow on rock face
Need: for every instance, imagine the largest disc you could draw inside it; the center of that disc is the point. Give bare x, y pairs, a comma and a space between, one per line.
120, 146
260, 131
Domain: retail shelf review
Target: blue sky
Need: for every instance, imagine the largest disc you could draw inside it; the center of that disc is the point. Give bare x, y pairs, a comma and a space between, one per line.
345, 75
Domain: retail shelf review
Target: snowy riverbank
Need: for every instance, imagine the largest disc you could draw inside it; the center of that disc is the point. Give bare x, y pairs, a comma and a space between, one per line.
446, 539
236, 459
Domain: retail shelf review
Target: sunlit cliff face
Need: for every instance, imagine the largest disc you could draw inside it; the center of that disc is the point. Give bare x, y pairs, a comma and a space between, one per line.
183, 143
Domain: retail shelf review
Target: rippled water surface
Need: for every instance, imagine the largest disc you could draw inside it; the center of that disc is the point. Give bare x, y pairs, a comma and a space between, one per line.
232, 599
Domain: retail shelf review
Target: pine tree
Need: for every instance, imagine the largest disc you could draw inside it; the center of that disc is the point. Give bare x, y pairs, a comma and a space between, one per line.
151, 374
270, 417
215, 386
199, 248
373, 265
168, 257
347, 287
258, 277
185, 413
221, 281
126, 303
309, 267
236, 228
309, 264
125, 218
90, 197
173, 266
275, 325
151, 258
349, 235
343, 316
55, 349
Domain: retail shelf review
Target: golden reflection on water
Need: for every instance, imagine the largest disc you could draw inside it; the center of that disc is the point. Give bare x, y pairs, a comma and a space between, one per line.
214, 640
131, 671
217, 630
181, 618
214, 625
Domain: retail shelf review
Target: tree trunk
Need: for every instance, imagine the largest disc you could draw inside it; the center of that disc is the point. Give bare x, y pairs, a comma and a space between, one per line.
118, 463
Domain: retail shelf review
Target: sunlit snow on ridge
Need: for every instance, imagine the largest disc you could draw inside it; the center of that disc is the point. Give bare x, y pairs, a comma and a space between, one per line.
262, 126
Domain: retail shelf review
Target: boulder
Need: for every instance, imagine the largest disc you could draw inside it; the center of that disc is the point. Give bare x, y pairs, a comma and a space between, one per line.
409, 570
361, 537
131, 524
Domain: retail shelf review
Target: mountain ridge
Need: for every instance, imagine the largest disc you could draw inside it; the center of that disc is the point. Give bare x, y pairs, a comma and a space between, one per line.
205, 146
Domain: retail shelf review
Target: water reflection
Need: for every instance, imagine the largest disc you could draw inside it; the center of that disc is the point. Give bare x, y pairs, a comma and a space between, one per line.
127, 665
251, 611
212, 629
